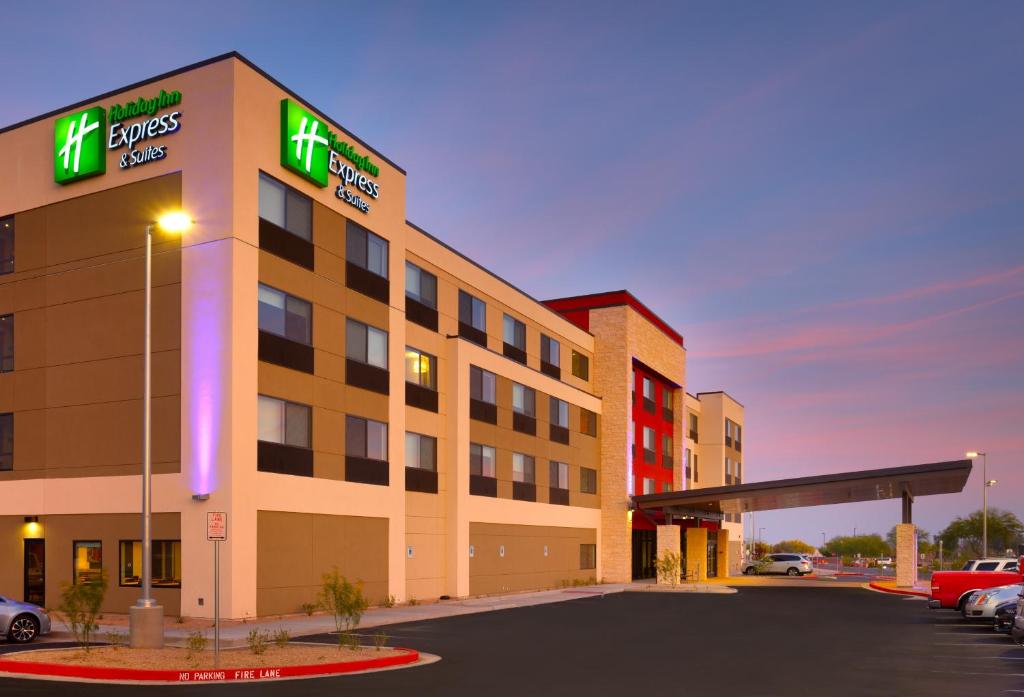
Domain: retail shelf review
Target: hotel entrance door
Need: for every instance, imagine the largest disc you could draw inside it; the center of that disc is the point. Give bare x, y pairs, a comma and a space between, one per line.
35, 572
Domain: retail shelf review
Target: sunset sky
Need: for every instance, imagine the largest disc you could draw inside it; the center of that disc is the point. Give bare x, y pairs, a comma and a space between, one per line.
828, 203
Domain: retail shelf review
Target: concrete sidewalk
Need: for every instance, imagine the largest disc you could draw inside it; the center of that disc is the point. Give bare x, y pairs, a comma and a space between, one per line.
234, 632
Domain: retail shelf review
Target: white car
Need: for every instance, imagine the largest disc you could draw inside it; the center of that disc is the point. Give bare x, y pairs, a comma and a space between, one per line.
780, 563
982, 604
885, 561
990, 565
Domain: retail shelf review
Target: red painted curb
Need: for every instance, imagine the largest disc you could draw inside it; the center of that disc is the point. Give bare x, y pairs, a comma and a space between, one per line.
200, 676
898, 591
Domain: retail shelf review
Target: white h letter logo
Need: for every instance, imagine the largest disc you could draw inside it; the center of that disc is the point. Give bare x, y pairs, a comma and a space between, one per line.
75, 139
310, 138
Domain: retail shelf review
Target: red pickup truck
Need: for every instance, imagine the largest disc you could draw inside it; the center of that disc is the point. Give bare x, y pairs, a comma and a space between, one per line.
951, 588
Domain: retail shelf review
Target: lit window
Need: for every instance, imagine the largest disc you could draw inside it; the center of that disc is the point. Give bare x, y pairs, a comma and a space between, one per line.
580, 366
588, 480
285, 315
365, 249
420, 285
283, 422
481, 460
366, 344
420, 451
88, 558
166, 563
588, 422
420, 368
523, 468
366, 438
286, 208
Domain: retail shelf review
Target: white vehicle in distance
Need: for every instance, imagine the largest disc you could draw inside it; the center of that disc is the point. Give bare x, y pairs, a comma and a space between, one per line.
780, 563
885, 561
990, 565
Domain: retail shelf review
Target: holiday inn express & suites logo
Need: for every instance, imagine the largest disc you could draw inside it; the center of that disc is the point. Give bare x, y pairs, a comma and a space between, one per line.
304, 147
78, 145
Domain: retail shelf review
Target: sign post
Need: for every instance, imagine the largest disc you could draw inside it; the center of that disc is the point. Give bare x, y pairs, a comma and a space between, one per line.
216, 532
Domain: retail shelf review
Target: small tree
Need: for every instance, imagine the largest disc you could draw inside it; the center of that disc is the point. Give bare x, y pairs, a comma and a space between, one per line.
668, 566
793, 546
80, 604
343, 599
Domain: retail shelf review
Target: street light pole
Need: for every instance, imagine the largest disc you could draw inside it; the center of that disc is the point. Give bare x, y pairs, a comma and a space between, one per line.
984, 498
146, 617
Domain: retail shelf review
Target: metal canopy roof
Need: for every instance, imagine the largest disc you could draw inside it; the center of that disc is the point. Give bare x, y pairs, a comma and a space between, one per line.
820, 490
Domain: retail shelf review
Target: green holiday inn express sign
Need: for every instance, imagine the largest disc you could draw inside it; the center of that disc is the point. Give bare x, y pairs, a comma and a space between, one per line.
80, 140
314, 152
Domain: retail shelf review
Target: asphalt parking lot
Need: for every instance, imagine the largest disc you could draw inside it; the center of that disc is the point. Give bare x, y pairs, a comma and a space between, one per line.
761, 641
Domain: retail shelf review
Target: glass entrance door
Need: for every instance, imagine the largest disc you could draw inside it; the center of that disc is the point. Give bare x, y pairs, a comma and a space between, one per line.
35, 572
712, 554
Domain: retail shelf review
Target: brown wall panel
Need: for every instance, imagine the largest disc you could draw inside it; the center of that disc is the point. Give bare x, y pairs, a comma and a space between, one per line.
524, 566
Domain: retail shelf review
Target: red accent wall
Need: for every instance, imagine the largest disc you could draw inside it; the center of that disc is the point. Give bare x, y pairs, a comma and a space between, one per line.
643, 418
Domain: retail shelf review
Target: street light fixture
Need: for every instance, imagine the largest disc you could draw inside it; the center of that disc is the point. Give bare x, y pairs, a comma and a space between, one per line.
973, 454
146, 618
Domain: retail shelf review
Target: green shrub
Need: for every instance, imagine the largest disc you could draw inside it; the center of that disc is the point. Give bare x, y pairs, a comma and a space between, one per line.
281, 638
389, 601
80, 603
669, 567
309, 608
116, 639
413, 602
380, 640
343, 599
257, 641
196, 644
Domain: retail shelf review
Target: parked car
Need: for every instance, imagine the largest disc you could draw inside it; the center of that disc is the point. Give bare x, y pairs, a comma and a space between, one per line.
951, 588
885, 561
990, 565
789, 564
1002, 621
983, 604
22, 622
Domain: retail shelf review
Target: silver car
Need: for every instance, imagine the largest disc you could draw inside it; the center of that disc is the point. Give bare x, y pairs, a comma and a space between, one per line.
982, 604
22, 622
780, 563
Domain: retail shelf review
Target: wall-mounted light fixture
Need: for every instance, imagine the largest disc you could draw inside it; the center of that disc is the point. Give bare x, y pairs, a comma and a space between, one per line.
31, 519
200, 497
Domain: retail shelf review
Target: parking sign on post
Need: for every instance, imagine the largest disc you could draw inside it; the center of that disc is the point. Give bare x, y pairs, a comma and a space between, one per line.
216, 532
216, 526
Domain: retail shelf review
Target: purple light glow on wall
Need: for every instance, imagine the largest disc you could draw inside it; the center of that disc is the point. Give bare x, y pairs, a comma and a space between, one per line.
205, 312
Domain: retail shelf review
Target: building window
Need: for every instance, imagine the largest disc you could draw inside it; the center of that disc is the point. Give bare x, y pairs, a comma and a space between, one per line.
559, 413
648, 395
559, 472
366, 438
739, 473
365, 249
285, 315
648, 485
588, 556
580, 366
688, 472
284, 422
524, 400
523, 469
7, 245
420, 368
420, 285
472, 311
666, 404
420, 451
649, 445
666, 451
166, 563
481, 385
728, 433
550, 351
366, 344
6, 343
6, 441
285, 207
696, 469
588, 422
88, 561
693, 428
481, 460
588, 480
737, 431
514, 333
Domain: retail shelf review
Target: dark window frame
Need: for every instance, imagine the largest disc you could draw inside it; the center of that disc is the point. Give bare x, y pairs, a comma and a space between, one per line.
588, 556
286, 402
418, 297
585, 478
290, 194
120, 562
7, 231
354, 245
7, 343
580, 365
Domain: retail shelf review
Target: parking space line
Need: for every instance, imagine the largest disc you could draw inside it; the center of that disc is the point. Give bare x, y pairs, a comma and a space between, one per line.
964, 672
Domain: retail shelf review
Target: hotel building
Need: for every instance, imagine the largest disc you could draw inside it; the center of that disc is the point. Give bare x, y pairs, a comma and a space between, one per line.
348, 389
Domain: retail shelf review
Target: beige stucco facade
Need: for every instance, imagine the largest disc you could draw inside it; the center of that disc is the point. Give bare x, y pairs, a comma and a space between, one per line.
76, 386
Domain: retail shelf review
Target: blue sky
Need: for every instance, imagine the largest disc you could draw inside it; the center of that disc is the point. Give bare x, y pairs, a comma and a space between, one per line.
825, 201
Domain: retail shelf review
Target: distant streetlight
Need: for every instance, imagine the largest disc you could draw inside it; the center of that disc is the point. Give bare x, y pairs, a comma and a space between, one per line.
146, 617
974, 454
